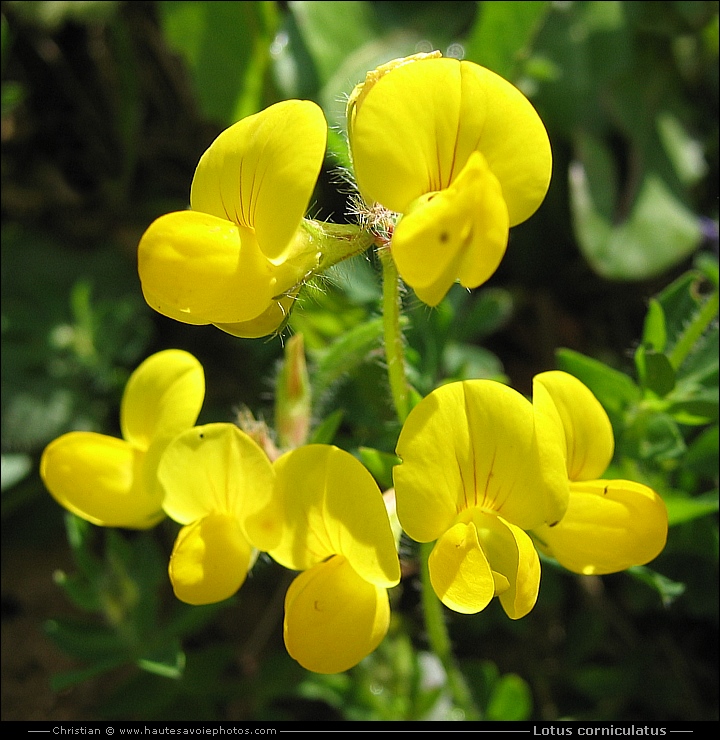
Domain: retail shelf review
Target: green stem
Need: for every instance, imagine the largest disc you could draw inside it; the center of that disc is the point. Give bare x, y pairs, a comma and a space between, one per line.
439, 640
394, 349
438, 636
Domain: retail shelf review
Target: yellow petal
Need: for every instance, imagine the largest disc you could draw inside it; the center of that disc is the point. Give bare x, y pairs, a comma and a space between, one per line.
459, 571
360, 91
413, 131
333, 617
610, 525
99, 478
332, 505
458, 233
163, 397
403, 136
499, 121
161, 306
260, 173
210, 560
511, 553
216, 468
207, 268
588, 433
473, 444
268, 322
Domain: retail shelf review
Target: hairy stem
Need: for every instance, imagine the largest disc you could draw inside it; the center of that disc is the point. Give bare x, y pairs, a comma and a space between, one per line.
394, 349
437, 633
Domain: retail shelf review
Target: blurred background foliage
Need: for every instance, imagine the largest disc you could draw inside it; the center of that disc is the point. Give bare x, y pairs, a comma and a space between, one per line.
106, 109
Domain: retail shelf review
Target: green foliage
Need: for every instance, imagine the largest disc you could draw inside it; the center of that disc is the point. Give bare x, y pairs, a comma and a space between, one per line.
207, 35
619, 266
122, 588
673, 405
620, 86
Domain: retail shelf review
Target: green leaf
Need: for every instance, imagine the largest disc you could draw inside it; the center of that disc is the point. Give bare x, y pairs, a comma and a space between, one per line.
654, 333
503, 33
332, 30
702, 454
707, 264
697, 411
466, 361
601, 49
325, 40
683, 509
663, 439
655, 436
685, 153
227, 49
481, 313
658, 234
694, 399
696, 352
668, 590
680, 301
13, 468
81, 536
510, 700
90, 642
324, 432
655, 372
168, 662
81, 591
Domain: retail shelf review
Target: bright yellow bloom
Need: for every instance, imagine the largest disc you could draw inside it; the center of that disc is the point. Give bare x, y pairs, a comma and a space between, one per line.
237, 258
460, 152
336, 530
112, 482
479, 466
610, 525
218, 483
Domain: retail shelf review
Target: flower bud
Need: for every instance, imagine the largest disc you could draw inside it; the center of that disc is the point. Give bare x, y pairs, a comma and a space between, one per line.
292, 396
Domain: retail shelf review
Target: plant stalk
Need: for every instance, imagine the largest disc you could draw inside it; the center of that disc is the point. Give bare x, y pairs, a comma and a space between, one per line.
394, 348
437, 633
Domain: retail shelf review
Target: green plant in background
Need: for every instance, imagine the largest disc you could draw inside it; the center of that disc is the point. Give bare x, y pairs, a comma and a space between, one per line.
635, 203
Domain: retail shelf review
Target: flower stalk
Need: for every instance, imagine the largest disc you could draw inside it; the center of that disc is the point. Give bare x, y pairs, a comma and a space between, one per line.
394, 347
435, 625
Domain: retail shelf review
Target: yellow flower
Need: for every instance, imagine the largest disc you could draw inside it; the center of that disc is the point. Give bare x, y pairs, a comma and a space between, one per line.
336, 530
610, 525
479, 466
237, 258
112, 482
219, 484
460, 152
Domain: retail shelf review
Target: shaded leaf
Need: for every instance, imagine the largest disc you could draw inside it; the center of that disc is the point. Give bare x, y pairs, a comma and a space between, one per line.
683, 509
667, 589
658, 234
227, 49
503, 33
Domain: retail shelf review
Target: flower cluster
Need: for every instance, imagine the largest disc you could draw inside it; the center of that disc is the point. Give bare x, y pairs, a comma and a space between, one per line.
451, 156
491, 476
